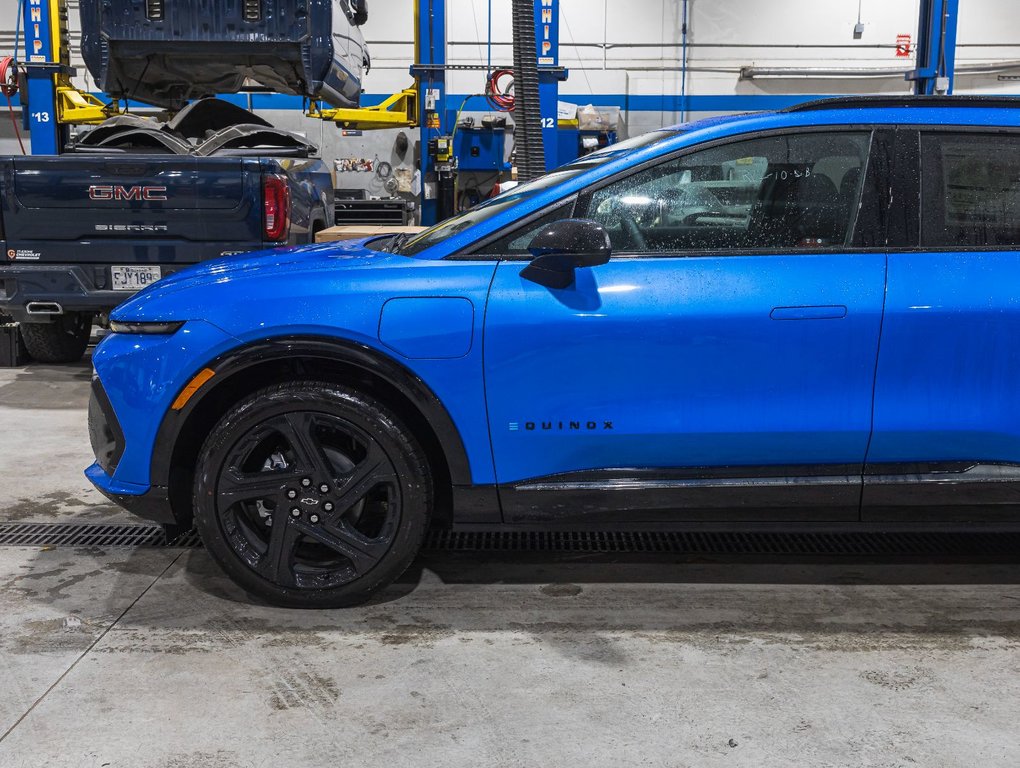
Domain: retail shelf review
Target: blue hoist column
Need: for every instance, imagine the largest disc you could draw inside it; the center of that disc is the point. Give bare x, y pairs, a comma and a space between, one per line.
547, 33
46, 56
429, 71
936, 47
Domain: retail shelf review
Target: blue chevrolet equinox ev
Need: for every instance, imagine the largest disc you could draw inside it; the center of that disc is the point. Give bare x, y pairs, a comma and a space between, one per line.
807, 318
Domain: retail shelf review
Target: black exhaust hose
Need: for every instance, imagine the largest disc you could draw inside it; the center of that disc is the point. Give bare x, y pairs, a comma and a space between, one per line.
530, 152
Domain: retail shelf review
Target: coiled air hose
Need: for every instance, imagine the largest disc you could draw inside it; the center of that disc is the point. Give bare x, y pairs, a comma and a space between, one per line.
9, 88
527, 109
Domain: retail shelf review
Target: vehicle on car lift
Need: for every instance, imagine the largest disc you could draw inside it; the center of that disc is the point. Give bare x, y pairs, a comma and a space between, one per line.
134, 200
843, 352
170, 53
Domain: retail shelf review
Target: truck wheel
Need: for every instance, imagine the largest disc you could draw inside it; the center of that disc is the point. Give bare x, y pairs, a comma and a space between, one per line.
312, 495
317, 226
62, 341
360, 8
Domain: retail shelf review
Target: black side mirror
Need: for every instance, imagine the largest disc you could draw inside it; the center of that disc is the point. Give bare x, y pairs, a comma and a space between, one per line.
563, 246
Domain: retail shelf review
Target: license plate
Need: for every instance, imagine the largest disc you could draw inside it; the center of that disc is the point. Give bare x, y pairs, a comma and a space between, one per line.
133, 278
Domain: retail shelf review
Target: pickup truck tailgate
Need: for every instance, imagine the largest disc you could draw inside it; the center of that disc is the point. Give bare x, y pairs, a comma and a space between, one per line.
131, 209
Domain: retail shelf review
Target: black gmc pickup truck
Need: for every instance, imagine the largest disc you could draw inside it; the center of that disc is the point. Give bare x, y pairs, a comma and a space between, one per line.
135, 199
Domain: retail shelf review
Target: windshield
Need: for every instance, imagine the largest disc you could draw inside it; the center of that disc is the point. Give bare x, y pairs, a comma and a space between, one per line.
495, 206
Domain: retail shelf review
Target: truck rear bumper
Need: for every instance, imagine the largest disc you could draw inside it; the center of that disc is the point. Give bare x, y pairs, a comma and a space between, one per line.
71, 287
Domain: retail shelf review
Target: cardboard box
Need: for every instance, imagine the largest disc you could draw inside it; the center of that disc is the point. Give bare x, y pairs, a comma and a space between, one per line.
357, 231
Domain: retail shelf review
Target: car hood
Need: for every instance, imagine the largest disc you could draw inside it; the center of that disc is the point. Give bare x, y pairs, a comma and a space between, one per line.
181, 296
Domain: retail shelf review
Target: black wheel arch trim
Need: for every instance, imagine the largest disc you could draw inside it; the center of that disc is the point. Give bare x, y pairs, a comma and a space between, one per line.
329, 349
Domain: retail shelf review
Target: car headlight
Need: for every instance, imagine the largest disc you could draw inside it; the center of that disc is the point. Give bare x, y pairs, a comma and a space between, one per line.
159, 329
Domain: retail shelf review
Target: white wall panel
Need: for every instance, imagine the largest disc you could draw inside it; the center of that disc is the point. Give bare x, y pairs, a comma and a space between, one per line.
629, 51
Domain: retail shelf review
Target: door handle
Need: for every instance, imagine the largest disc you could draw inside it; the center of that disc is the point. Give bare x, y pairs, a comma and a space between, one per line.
831, 312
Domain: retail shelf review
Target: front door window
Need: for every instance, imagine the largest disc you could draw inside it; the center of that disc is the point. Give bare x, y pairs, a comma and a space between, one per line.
772, 193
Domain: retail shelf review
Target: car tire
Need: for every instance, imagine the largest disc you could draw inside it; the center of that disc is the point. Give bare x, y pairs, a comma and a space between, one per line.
312, 495
63, 340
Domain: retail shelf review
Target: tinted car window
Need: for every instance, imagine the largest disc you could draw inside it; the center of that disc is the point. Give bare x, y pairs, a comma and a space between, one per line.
778, 192
970, 190
517, 241
489, 208
486, 210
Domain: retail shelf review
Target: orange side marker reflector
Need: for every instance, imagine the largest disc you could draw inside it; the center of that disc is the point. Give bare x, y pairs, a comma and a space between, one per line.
193, 386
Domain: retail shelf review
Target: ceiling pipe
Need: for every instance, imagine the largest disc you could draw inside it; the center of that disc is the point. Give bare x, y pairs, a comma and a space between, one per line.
853, 73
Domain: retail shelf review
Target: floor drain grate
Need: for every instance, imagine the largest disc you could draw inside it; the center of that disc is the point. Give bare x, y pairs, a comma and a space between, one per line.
85, 535
819, 544
747, 544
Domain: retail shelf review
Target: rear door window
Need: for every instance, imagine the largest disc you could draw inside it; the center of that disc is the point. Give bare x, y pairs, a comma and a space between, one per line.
970, 190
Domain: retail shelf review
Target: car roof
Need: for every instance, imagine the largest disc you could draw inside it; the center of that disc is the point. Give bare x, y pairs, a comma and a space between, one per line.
952, 102
849, 110
915, 110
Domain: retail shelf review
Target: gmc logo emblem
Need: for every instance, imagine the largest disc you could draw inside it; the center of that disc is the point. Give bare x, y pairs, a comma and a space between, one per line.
117, 192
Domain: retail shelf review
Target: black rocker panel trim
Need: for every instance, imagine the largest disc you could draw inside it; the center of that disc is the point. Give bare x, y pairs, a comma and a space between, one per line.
328, 349
960, 491
936, 492
737, 494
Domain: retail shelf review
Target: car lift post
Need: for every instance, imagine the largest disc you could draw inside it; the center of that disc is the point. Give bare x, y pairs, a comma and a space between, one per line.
547, 33
49, 101
429, 71
430, 78
44, 60
936, 47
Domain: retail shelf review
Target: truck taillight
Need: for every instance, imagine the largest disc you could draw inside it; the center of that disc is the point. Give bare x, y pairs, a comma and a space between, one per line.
276, 208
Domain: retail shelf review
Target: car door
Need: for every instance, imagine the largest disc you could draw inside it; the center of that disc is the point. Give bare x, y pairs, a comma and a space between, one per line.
720, 366
946, 442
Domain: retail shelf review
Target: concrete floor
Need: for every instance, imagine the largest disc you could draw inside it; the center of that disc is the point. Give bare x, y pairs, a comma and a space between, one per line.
150, 657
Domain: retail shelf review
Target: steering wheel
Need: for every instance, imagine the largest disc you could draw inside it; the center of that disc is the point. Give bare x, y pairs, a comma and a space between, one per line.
633, 230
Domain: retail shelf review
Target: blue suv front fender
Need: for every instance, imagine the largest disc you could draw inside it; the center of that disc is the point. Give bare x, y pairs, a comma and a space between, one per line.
147, 372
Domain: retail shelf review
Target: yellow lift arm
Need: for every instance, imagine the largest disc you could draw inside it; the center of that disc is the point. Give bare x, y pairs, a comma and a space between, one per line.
76, 107
398, 111
73, 107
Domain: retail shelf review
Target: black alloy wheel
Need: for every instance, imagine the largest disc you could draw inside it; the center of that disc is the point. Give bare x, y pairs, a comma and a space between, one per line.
312, 495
